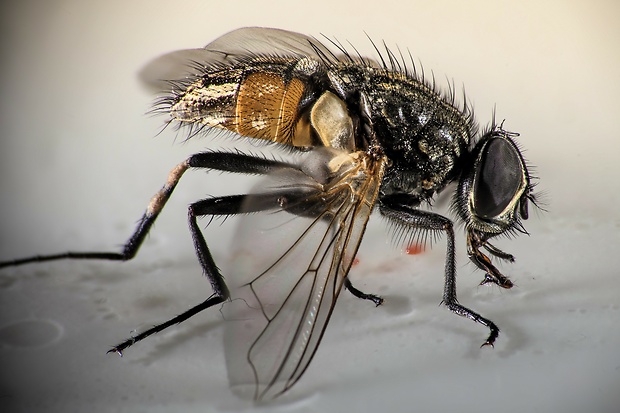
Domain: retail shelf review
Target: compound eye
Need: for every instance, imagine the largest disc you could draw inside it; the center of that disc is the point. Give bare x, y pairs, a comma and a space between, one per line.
498, 178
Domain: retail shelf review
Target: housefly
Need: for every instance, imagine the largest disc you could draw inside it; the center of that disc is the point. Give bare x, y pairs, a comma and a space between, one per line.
350, 135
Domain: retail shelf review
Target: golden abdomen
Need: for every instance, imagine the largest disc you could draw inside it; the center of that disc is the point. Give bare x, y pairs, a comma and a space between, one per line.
258, 101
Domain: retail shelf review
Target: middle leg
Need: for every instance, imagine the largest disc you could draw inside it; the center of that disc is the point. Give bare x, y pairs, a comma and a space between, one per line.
360, 294
227, 205
398, 209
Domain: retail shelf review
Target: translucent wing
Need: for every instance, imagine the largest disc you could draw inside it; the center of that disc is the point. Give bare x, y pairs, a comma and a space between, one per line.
229, 49
265, 41
288, 273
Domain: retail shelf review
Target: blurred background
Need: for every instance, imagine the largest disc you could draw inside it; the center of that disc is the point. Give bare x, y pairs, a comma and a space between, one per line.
80, 158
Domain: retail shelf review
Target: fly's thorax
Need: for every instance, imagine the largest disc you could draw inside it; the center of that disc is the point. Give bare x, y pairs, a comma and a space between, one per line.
425, 136
424, 160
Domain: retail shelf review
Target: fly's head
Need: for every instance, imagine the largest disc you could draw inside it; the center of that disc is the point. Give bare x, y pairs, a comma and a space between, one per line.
492, 198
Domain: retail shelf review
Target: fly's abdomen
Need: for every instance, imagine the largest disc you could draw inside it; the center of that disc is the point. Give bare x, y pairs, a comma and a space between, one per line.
262, 100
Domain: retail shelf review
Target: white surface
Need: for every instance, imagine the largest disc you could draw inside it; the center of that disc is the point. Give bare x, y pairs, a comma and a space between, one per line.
79, 162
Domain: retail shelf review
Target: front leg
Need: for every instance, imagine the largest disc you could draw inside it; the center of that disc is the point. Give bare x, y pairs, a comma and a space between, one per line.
493, 275
398, 209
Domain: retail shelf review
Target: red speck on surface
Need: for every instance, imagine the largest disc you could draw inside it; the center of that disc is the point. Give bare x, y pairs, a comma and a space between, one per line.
414, 249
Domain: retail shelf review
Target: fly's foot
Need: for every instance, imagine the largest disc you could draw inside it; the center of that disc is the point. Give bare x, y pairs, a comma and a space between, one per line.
494, 334
497, 279
375, 299
115, 350
360, 294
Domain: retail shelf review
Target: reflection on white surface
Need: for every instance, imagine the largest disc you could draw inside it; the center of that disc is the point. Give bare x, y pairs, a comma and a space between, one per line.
79, 162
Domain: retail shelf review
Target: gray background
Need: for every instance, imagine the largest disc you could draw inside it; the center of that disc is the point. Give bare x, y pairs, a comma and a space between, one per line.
79, 160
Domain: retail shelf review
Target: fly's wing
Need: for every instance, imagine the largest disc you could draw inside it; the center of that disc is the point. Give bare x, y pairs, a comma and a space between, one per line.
266, 41
287, 273
229, 49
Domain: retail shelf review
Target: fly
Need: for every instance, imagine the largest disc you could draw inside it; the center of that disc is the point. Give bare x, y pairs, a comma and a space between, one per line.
358, 135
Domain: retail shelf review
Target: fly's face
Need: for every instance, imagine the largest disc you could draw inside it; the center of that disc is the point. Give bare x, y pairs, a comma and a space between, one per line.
493, 195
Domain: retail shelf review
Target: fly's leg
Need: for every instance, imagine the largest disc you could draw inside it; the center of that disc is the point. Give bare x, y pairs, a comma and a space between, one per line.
398, 209
359, 294
220, 290
498, 253
134, 242
227, 205
230, 205
493, 275
222, 161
